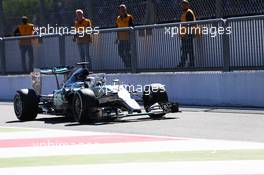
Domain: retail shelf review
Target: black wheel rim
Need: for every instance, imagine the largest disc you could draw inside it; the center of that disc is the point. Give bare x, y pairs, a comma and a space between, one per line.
77, 107
18, 105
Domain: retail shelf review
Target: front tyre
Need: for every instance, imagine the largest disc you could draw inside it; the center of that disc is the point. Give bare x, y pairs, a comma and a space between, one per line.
26, 105
155, 93
85, 106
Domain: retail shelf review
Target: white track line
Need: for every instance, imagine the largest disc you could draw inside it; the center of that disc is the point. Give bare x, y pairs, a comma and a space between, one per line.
52, 149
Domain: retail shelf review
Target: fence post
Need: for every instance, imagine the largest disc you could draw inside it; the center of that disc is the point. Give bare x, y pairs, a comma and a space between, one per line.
43, 14
226, 48
1, 19
219, 5
62, 50
2, 56
134, 57
89, 8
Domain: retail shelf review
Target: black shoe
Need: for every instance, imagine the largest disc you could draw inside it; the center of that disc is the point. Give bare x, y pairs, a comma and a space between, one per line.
181, 65
128, 67
191, 65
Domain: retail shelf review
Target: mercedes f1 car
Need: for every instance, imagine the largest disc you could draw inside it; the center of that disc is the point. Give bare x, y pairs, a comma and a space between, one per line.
86, 97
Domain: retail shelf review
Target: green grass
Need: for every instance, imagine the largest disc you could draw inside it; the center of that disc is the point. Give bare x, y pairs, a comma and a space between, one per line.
133, 158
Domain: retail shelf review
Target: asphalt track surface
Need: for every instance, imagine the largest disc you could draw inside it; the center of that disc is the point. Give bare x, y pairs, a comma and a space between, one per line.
206, 123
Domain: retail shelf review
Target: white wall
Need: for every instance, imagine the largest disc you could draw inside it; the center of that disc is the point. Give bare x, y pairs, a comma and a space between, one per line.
197, 88
9, 85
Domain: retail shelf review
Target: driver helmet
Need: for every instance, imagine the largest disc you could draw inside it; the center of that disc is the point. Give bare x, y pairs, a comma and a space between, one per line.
83, 75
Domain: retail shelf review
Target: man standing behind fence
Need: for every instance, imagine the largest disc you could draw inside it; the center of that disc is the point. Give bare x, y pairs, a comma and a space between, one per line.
186, 37
25, 45
124, 49
83, 39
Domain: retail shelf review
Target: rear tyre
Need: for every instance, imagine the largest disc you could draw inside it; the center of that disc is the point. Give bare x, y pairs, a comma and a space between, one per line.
85, 106
154, 93
26, 105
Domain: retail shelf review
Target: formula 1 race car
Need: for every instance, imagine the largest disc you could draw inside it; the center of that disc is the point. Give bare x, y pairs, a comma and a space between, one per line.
85, 97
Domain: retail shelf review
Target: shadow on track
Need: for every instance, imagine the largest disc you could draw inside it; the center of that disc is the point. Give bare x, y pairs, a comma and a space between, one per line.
69, 122
50, 120
119, 121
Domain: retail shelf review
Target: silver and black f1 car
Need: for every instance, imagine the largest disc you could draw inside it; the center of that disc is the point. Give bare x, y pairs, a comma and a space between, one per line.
85, 97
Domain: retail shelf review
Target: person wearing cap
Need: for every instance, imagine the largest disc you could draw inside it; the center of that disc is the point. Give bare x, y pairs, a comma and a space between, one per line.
123, 38
82, 39
26, 45
187, 38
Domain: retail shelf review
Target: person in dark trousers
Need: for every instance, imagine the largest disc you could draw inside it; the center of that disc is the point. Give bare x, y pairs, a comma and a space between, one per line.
83, 40
123, 38
187, 38
26, 45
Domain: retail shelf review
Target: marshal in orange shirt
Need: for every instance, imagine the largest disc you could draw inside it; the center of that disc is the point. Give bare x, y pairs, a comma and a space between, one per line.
126, 21
80, 27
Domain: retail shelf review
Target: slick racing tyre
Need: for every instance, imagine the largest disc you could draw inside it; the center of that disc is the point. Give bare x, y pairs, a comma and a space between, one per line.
26, 105
155, 93
85, 106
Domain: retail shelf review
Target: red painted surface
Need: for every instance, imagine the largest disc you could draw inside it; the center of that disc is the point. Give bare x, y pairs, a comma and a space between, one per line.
79, 140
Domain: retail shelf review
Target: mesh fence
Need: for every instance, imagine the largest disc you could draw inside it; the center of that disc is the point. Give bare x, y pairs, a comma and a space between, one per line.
106, 11
243, 7
103, 12
153, 51
170, 10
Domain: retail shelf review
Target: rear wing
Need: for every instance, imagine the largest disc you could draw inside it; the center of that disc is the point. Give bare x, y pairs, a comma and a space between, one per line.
56, 71
37, 78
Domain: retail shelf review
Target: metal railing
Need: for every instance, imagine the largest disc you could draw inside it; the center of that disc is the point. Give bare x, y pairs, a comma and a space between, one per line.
152, 48
246, 42
162, 52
